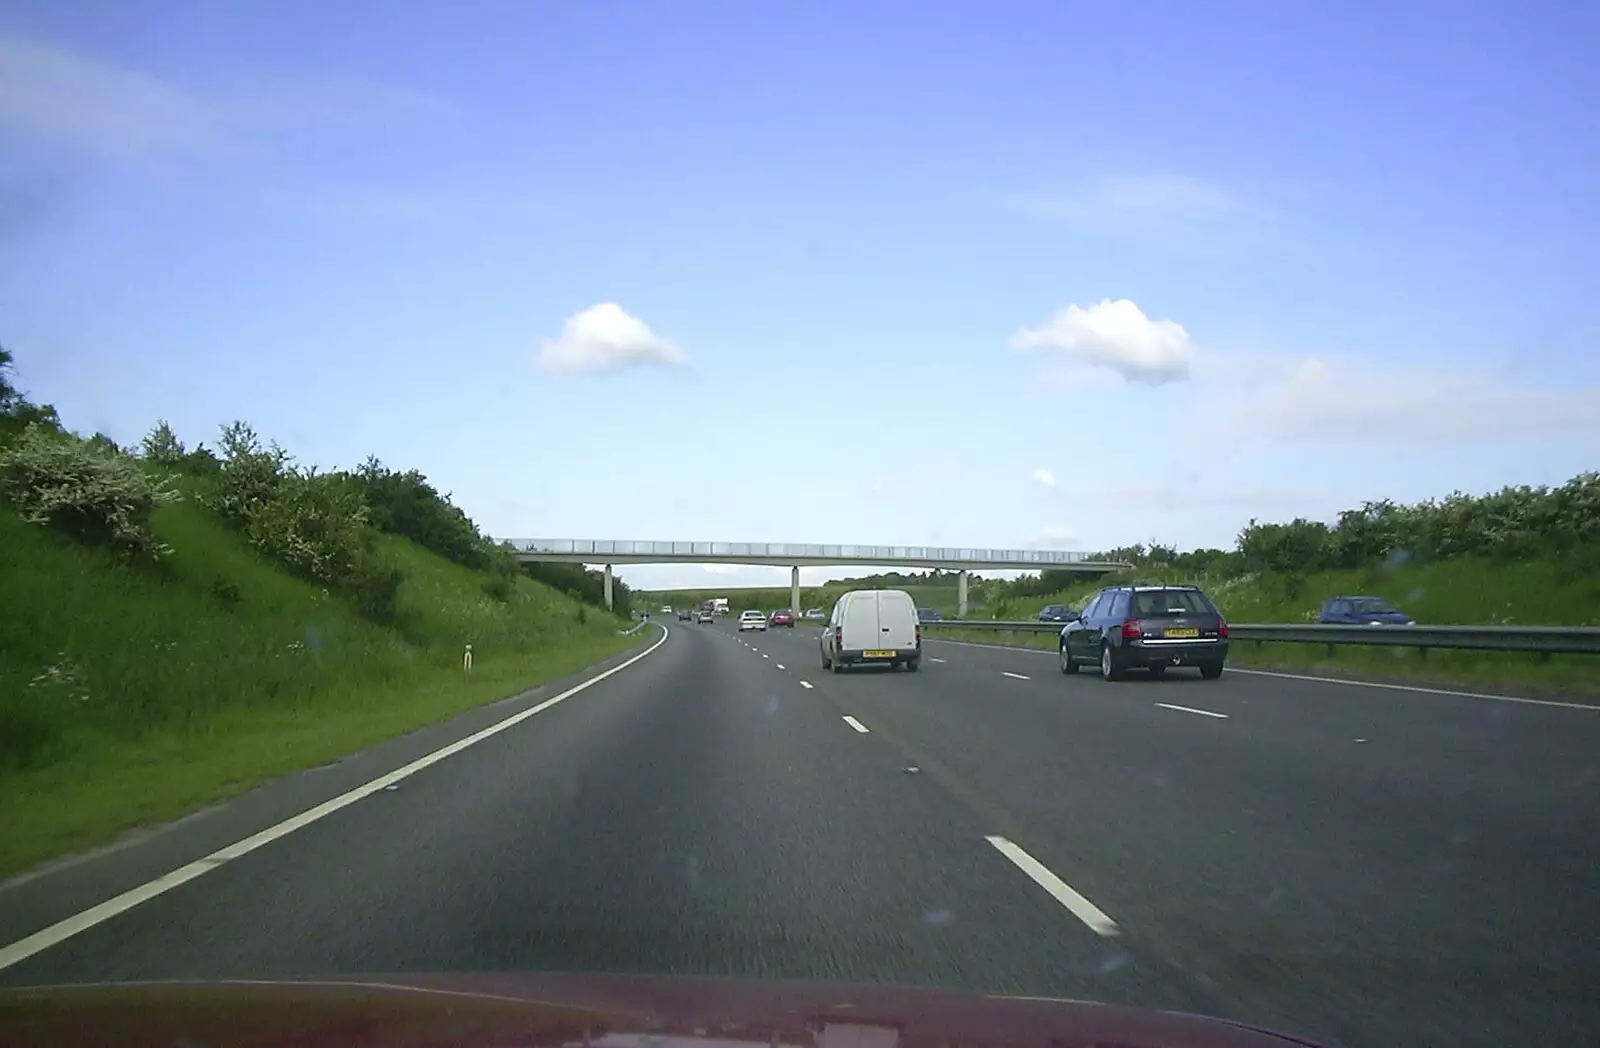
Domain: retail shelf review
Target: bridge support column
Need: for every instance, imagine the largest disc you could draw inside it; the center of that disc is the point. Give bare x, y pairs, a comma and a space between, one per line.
608, 589
794, 590
961, 595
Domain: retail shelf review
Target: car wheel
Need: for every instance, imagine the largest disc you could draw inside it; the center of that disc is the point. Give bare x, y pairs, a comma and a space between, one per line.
1157, 672
1109, 667
825, 663
912, 665
1069, 665
1211, 670
837, 667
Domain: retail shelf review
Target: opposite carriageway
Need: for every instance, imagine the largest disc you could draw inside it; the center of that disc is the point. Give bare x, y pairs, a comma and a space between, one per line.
795, 555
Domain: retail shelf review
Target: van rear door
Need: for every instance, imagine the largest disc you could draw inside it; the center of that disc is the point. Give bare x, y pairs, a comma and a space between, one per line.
860, 623
897, 620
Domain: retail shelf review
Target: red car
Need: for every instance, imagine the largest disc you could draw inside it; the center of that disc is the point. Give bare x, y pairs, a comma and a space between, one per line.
782, 617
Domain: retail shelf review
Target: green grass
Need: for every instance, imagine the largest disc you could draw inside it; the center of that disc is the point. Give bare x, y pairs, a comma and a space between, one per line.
132, 695
1453, 592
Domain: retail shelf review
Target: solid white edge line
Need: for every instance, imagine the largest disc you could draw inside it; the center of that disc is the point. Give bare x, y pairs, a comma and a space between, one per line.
805, 684
857, 725
1592, 707
66, 928
1081, 908
1017, 676
1191, 709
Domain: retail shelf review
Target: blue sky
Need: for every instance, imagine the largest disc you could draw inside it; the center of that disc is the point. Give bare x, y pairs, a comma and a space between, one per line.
1009, 274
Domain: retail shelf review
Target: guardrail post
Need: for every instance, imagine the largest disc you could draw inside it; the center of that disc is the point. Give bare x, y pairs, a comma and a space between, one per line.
961, 594
608, 589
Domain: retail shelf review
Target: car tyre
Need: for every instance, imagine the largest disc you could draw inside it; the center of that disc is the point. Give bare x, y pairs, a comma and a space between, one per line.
1110, 668
1211, 670
1069, 665
912, 665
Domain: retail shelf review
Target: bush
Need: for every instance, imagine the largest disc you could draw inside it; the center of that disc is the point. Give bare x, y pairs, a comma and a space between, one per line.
406, 504
84, 489
313, 524
498, 587
250, 475
373, 586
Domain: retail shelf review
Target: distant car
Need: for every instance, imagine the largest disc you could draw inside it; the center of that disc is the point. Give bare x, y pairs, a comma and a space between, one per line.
1148, 628
752, 620
1361, 611
814, 614
928, 615
684, 614
704, 616
872, 626
1056, 613
666, 609
782, 617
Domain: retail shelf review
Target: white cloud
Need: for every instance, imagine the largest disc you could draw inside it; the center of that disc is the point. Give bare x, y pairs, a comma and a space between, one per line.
1135, 200
605, 338
1115, 335
55, 93
1044, 478
1348, 400
1051, 537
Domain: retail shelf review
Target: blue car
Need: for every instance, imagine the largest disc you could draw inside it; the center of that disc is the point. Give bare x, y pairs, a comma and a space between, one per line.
1361, 611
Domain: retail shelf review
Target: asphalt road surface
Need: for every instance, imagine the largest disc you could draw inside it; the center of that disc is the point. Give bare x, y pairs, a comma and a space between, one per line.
1363, 865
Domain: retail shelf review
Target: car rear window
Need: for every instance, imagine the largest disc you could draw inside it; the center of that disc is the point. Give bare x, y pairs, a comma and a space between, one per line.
1152, 604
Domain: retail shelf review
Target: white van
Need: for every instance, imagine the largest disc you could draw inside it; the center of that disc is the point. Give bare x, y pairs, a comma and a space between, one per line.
872, 626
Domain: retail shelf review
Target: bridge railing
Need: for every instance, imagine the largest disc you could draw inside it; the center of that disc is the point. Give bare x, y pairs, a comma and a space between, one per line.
867, 554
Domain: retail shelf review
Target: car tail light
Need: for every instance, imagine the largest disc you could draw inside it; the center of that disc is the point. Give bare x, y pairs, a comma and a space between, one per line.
1222, 628
1132, 630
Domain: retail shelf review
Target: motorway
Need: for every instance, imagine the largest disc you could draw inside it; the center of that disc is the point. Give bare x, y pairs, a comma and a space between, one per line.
1362, 865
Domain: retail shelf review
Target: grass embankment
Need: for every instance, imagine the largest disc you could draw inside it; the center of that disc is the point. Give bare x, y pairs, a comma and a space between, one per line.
133, 695
1452, 592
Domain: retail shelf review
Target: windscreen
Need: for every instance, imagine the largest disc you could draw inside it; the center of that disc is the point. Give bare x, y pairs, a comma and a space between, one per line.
1154, 604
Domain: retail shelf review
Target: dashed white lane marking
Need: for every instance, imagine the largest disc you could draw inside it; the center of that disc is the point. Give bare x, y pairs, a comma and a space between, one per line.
764, 655
778, 664
1015, 676
932, 659
1081, 908
857, 725
805, 684
65, 929
1191, 709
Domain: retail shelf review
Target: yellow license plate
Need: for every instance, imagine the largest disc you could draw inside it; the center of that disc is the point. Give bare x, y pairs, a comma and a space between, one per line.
877, 654
1183, 632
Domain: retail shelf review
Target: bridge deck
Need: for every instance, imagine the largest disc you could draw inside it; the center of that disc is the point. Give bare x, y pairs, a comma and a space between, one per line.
788, 554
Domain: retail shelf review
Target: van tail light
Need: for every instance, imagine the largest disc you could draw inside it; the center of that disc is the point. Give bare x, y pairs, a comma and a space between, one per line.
1132, 630
1222, 628
838, 637
919, 634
